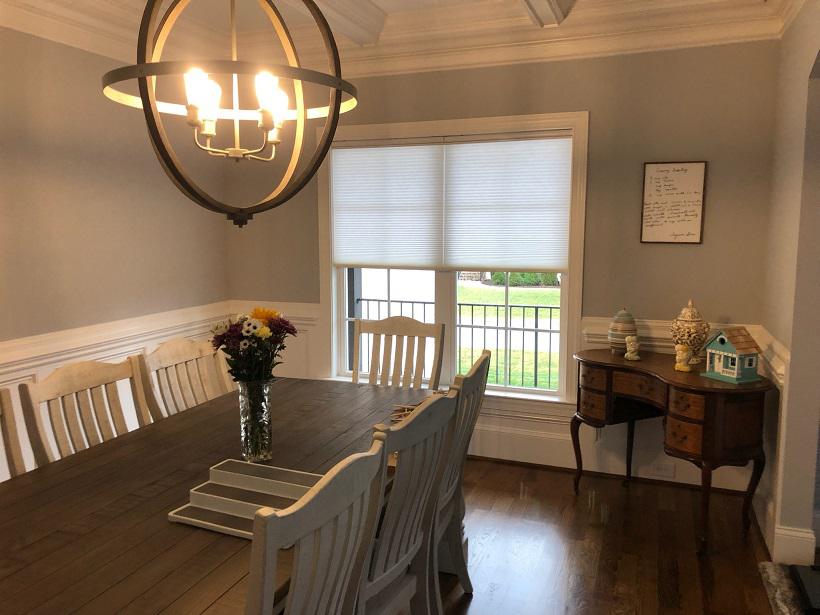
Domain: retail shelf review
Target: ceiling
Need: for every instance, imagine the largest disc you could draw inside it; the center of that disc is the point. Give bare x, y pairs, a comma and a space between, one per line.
378, 37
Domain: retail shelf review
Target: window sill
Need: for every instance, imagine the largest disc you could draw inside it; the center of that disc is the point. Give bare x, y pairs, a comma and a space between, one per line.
516, 404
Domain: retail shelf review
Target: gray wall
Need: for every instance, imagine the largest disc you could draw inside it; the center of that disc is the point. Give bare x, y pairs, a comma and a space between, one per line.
712, 104
91, 230
80, 214
280, 246
793, 291
798, 51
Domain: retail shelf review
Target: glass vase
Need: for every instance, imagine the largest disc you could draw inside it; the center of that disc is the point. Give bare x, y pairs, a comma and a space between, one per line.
254, 414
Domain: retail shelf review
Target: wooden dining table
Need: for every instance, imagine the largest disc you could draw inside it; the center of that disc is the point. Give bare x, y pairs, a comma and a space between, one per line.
90, 533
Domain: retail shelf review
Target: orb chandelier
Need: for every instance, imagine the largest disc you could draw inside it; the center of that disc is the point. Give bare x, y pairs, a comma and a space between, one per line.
204, 110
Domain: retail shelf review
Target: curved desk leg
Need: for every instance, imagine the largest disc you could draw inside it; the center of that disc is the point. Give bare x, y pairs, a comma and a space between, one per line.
630, 440
574, 425
706, 491
757, 472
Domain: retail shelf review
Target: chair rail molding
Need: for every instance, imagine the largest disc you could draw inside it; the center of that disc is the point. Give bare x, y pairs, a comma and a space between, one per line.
655, 336
105, 341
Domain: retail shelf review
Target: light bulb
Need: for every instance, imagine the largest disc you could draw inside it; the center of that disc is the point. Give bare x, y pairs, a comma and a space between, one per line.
211, 96
266, 87
271, 98
280, 107
203, 93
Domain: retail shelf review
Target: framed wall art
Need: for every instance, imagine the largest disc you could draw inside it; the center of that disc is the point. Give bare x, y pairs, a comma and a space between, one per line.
673, 200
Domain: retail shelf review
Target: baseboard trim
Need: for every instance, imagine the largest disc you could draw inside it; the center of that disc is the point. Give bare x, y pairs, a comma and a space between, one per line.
609, 475
793, 545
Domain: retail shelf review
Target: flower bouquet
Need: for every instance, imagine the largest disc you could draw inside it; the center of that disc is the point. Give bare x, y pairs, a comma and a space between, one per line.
253, 344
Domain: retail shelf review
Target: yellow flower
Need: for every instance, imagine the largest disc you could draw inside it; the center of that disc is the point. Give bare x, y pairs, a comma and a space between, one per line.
263, 332
264, 314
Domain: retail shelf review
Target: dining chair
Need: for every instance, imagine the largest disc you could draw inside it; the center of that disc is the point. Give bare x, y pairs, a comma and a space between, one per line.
184, 373
395, 574
83, 406
329, 528
11, 438
407, 359
449, 550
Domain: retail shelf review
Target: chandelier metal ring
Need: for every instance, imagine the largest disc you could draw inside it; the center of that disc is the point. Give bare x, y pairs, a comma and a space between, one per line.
154, 31
225, 67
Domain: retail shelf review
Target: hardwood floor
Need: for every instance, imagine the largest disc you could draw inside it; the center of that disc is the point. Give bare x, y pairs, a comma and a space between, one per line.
537, 549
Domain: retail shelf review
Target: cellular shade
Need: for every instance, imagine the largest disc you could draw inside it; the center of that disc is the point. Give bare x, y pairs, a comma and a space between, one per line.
489, 206
387, 206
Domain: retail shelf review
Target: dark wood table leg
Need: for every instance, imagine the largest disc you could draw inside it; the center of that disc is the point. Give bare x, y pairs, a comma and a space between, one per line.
630, 440
754, 481
574, 425
706, 491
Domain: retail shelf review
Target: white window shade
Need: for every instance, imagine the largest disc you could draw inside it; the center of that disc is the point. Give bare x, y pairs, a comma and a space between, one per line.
507, 205
387, 205
495, 205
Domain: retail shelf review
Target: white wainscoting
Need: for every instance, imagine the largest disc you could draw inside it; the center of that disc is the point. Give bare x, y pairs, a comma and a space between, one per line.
32, 358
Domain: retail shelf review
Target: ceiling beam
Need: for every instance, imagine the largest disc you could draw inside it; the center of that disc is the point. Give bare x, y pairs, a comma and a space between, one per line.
548, 12
359, 21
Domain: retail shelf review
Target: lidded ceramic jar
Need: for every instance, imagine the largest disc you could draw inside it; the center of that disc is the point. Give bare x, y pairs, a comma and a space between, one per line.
622, 324
690, 329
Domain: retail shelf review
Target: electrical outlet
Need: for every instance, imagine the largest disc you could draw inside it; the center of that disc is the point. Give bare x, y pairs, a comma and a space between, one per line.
662, 470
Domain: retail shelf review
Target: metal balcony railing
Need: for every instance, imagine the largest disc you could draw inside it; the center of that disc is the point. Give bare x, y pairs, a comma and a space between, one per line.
524, 339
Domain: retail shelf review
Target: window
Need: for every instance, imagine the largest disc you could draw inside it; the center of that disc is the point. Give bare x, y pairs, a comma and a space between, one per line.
518, 317
732, 362
373, 294
479, 230
750, 362
515, 315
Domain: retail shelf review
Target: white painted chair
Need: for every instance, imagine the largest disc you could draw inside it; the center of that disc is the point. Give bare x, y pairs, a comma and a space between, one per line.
450, 551
330, 528
11, 437
82, 405
183, 373
395, 575
404, 365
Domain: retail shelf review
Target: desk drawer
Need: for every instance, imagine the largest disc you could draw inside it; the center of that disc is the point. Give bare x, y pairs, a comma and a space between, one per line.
684, 437
690, 405
592, 405
636, 385
593, 377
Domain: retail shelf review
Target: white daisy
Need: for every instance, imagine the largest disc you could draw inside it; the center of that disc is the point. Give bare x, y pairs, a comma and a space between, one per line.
244, 345
251, 326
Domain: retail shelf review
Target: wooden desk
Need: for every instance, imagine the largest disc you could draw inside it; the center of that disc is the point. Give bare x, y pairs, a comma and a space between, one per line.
90, 532
707, 422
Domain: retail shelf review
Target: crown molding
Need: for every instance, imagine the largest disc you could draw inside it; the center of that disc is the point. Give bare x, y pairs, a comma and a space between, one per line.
492, 33
469, 35
788, 10
106, 28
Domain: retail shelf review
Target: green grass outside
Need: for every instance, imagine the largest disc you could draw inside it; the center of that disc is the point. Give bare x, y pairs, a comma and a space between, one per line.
547, 379
518, 296
489, 295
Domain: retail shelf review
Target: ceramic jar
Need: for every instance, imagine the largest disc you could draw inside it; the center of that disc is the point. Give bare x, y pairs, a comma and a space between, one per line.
622, 324
690, 329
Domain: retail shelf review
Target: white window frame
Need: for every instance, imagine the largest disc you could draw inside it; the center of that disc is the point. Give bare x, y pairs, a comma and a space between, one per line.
574, 124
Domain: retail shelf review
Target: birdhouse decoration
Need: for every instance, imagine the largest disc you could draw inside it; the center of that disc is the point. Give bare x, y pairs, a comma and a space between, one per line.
732, 356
